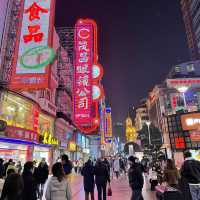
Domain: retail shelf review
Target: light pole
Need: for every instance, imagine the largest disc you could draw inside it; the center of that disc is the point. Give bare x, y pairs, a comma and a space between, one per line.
148, 125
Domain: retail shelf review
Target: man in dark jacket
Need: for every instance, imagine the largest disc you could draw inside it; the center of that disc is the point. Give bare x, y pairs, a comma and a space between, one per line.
136, 180
67, 164
190, 175
30, 185
88, 179
101, 178
1, 168
41, 174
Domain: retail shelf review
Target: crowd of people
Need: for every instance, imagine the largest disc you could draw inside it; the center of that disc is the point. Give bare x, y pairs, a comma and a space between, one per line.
29, 180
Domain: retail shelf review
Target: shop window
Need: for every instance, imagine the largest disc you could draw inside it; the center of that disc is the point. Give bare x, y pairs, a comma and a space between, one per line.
16, 110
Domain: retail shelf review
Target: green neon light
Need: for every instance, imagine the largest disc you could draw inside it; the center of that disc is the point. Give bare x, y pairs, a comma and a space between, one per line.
38, 51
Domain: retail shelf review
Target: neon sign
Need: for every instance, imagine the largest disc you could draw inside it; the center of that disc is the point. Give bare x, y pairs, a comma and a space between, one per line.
83, 73
87, 76
33, 53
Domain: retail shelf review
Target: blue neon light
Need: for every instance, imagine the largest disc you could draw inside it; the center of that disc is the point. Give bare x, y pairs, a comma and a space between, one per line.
16, 141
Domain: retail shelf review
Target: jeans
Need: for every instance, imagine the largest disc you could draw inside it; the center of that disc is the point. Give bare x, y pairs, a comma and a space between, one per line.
101, 188
195, 191
137, 195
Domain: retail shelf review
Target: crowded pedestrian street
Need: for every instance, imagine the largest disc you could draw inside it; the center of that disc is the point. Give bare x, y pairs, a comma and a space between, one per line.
120, 188
99, 100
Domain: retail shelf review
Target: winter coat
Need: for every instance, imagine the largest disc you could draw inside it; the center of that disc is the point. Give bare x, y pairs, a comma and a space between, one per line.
58, 190
68, 168
1, 170
135, 176
116, 166
191, 171
88, 177
41, 173
30, 186
101, 174
171, 176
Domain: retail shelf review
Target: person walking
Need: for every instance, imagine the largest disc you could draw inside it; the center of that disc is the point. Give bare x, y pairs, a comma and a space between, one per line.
190, 177
30, 184
58, 187
107, 164
116, 167
11, 168
67, 166
19, 167
6, 166
13, 188
88, 179
76, 166
80, 165
171, 174
101, 178
42, 173
136, 180
1, 168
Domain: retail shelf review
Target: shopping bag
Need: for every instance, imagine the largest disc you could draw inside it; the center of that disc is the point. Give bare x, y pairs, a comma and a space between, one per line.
109, 191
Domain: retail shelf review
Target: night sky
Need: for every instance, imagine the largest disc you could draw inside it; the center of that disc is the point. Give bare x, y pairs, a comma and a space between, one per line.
139, 42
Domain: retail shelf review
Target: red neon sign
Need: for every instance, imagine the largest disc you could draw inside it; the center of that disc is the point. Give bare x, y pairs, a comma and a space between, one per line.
83, 73
36, 30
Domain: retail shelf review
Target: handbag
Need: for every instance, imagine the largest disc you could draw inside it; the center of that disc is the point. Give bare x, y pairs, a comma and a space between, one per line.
109, 191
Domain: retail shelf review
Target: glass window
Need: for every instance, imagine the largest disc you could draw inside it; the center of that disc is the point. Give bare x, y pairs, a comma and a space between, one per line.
15, 110
46, 124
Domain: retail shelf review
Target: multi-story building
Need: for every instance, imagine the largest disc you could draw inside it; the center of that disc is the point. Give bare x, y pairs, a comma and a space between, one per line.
170, 102
191, 17
142, 115
9, 26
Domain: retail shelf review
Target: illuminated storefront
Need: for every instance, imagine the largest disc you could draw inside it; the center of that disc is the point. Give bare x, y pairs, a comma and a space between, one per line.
25, 126
184, 131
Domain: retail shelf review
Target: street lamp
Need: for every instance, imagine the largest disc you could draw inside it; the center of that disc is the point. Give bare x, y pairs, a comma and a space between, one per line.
182, 90
148, 124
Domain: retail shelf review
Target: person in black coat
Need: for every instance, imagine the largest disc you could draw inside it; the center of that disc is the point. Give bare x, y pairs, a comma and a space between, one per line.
13, 187
88, 179
190, 177
30, 184
43, 173
136, 180
101, 178
1, 168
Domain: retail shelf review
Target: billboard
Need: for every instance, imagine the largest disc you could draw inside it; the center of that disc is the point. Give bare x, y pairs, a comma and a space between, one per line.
190, 121
108, 123
83, 73
33, 53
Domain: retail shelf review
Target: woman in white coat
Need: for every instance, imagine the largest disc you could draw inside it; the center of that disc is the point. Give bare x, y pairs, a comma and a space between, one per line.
58, 187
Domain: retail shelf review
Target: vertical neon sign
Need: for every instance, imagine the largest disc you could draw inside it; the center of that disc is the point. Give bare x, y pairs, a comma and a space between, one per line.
83, 73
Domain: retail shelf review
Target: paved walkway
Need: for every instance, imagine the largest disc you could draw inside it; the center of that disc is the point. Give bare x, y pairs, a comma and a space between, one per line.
120, 188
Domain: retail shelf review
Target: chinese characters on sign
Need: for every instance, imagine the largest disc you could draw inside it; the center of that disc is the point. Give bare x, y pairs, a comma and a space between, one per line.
23, 134
83, 73
32, 56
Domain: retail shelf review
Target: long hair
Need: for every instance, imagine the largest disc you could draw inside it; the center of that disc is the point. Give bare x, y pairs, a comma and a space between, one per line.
58, 171
170, 164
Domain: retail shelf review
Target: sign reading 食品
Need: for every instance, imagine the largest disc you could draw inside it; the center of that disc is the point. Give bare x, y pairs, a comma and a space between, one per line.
33, 52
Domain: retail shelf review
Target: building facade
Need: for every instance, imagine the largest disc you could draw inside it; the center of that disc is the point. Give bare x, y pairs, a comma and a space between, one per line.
142, 115
191, 17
